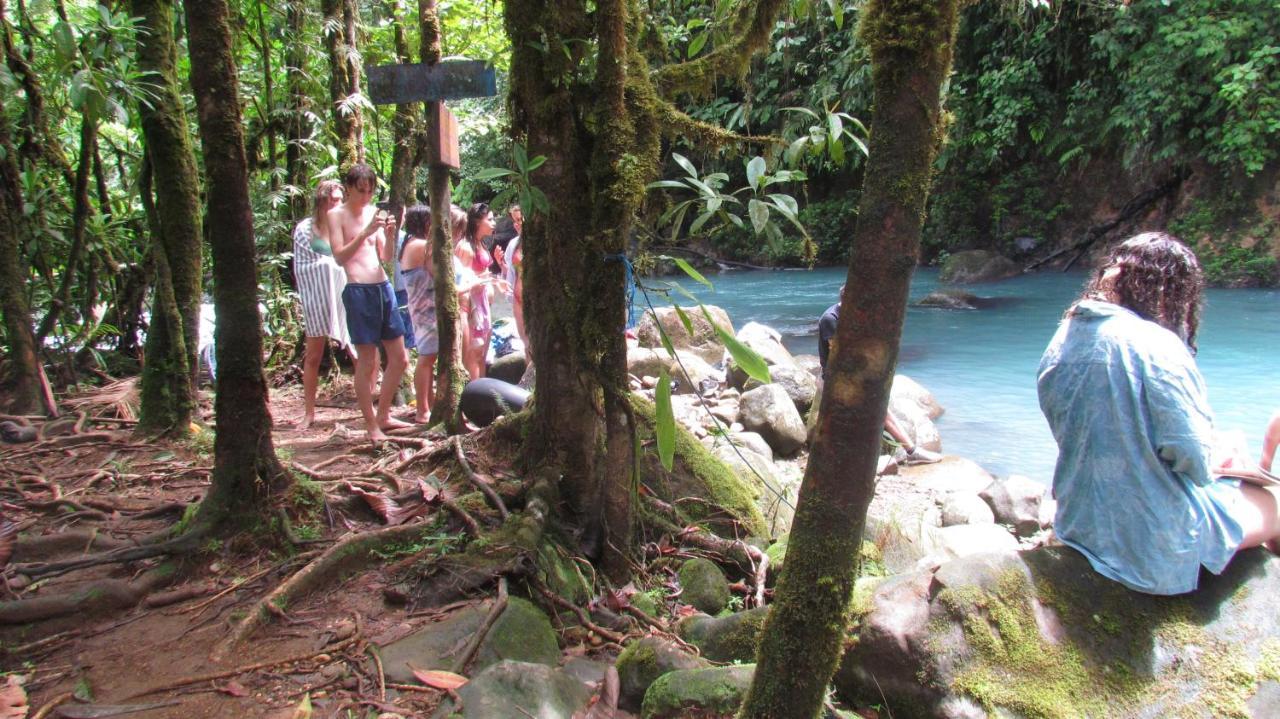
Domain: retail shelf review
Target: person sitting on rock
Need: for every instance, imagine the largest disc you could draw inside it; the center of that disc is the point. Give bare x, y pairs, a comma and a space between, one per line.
1135, 479
909, 452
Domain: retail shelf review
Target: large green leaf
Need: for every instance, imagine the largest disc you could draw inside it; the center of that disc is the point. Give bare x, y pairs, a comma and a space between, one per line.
755, 170
684, 318
682, 161
492, 173
697, 44
759, 213
665, 424
746, 358
688, 270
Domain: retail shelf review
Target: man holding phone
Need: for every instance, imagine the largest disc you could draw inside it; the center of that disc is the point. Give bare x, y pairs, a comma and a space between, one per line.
358, 233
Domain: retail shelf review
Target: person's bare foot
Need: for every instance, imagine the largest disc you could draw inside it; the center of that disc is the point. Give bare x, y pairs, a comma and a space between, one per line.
391, 423
305, 423
376, 437
421, 418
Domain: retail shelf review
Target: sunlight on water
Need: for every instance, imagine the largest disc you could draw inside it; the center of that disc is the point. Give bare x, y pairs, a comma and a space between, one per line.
981, 364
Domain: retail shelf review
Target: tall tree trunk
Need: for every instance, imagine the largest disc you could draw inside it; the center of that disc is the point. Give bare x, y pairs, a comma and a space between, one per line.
79, 221
344, 78
269, 125
168, 380
247, 476
404, 125
911, 44
23, 363
446, 407
299, 103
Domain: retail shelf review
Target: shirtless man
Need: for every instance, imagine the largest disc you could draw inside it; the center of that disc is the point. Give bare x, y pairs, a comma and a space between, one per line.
358, 234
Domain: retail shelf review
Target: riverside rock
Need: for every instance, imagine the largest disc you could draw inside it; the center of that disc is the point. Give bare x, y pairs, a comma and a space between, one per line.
734, 638
705, 586
977, 266
950, 300
704, 341
769, 411
509, 689
1016, 502
798, 383
906, 389
765, 341
1039, 633
965, 508
643, 661
691, 373
715, 691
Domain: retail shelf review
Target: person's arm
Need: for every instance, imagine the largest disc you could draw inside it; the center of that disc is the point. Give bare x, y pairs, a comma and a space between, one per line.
343, 250
387, 243
826, 330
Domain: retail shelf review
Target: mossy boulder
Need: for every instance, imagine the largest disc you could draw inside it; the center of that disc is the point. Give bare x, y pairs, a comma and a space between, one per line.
512, 689
560, 572
522, 632
697, 473
977, 266
733, 638
643, 661
705, 586
1040, 634
704, 341
715, 691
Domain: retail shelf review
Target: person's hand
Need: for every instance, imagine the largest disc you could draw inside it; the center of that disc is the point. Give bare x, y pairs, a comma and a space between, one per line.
378, 222
499, 256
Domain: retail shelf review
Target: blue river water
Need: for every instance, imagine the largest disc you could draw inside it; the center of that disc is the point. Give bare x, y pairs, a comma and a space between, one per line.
981, 364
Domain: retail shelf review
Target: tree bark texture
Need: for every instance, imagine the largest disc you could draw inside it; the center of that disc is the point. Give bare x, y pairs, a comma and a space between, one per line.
404, 124
344, 79
79, 219
23, 362
168, 381
446, 405
246, 474
299, 104
911, 45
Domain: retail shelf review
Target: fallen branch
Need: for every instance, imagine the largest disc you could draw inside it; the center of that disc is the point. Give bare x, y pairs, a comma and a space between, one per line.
353, 549
583, 618
480, 484
477, 638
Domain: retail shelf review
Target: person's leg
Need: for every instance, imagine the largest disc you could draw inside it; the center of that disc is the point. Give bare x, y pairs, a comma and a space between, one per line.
424, 385
517, 309
913, 453
1259, 515
366, 363
312, 353
390, 383
1269, 442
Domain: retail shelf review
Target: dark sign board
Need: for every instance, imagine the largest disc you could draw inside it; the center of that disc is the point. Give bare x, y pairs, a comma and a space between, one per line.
450, 80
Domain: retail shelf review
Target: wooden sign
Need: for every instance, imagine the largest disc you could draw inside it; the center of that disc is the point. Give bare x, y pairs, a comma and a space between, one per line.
442, 137
450, 80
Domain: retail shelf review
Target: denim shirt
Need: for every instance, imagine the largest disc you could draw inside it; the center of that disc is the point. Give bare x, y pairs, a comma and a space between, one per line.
1130, 414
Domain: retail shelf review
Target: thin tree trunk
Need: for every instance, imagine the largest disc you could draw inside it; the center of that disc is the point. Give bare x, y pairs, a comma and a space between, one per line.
911, 43
299, 102
404, 125
446, 407
23, 363
344, 72
268, 98
168, 381
79, 220
247, 476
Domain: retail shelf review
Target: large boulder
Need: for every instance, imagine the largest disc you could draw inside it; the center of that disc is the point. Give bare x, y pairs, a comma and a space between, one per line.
522, 632
733, 638
647, 361
691, 374
906, 389
769, 411
941, 544
977, 266
511, 689
705, 586
711, 692
704, 341
914, 421
764, 341
775, 490
798, 383
1016, 502
509, 368
950, 300
952, 474
965, 508
643, 661
1040, 634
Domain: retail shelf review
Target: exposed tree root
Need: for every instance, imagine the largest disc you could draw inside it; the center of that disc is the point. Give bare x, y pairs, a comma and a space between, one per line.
480, 484
495, 611
583, 618
352, 550
72, 540
181, 594
100, 596
151, 546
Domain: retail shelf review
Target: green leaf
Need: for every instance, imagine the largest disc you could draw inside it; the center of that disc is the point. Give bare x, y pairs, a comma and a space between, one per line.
755, 170
786, 204
836, 148
666, 341
700, 221
682, 161
673, 184
759, 213
837, 12
535, 163
746, 358
521, 156
665, 425
492, 173
64, 42
688, 270
804, 110
695, 47
684, 318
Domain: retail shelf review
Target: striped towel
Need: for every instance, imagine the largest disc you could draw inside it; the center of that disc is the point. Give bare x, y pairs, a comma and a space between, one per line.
320, 281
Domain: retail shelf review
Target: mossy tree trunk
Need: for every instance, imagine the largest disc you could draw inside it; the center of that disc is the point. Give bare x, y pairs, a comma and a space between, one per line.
168, 379
446, 405
911, 46
404, 124
23, 380
299, 104
339, 25
247, 476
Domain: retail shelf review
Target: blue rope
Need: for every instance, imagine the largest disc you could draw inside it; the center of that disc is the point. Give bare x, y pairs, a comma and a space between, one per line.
629, 279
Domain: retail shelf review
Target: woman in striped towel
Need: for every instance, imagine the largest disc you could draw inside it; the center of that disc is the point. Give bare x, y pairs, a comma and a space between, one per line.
320, 281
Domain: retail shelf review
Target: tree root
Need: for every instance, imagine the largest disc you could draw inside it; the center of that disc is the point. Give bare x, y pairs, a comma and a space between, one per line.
583, 618
480, 484
354, 549
100, 596
495, 611
151, 546
73, 540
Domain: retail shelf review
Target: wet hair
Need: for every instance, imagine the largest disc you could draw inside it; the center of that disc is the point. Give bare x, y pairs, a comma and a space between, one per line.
477, 213
1160, 280
323, 191
358, 174
417, 221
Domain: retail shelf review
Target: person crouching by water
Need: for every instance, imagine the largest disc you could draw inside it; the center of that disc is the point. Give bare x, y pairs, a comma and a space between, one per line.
320, 282
1135, 477
360, 244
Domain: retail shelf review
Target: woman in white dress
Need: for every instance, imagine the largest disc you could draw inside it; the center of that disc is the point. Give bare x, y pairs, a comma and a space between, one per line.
320, 281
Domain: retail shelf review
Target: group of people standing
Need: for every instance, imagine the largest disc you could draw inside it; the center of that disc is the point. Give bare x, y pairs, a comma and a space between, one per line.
340, 256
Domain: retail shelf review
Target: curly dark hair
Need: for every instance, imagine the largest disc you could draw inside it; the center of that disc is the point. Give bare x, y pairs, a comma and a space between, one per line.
417, 221
1160, 280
